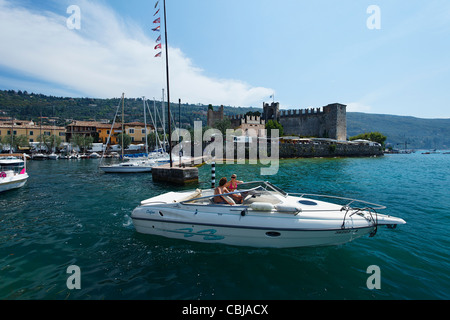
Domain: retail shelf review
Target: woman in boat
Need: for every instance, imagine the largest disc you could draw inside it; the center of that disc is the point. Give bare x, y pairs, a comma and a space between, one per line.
221, 189
232, 186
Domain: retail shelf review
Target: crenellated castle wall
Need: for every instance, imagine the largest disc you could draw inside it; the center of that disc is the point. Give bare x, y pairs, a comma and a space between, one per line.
327, 122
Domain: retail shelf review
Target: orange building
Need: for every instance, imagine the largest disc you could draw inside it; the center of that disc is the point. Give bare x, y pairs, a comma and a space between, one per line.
99, 131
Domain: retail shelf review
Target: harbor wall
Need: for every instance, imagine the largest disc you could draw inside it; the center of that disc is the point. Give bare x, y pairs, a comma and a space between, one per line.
309, 150
291, 150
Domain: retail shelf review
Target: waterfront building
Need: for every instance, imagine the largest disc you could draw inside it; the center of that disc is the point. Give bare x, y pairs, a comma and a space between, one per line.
101, 131
136, 130
30, 129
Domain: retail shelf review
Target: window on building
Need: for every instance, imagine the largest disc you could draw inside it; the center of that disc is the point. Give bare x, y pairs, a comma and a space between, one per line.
31, 134
131, 130
46, 133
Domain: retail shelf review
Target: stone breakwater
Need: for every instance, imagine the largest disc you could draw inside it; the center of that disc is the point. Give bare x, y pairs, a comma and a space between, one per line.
291, 150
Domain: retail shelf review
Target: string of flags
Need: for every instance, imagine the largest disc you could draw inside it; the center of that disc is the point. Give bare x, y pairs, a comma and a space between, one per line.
157, 22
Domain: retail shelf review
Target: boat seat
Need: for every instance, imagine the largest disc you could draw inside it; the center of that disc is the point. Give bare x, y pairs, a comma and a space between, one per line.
196, 194
228, 198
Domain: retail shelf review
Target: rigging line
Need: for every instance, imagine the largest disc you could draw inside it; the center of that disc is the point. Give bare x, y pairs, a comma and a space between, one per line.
110, 132
158, 142
162, 125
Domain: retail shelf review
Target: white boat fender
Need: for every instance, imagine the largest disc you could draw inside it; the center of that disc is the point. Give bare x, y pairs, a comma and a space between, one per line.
262, 206
289, 209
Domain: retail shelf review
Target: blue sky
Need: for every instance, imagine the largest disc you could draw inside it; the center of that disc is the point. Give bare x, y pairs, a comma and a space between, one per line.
237, 53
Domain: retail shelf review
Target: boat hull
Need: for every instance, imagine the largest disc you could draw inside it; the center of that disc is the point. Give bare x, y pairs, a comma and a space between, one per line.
14, 183
240, 230
267, 218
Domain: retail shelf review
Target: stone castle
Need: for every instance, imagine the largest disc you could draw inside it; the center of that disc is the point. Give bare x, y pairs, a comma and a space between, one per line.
327, 122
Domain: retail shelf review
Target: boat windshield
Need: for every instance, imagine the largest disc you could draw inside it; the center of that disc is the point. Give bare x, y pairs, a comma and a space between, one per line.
262, 185
11, 164
249, 192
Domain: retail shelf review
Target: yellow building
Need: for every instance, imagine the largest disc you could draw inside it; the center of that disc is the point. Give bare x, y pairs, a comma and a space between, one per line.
136, 130
101, 131
30, 129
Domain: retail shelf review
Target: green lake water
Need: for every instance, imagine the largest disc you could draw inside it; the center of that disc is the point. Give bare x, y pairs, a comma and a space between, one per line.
70, 213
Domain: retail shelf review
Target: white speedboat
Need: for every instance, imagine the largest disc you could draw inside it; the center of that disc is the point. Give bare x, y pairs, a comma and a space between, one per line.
268, 218
53, 156
13, 173
130, 167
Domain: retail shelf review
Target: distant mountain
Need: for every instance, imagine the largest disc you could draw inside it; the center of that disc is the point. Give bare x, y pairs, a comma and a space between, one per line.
416, 132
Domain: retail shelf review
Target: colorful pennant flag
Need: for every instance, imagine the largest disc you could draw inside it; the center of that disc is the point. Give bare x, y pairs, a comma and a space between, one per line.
157, 29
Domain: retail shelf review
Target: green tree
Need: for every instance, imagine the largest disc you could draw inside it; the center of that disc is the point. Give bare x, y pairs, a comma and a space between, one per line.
52, 141
223, 125
371, 136
15, 142
83, 142
272, 125
153, 142
126, 140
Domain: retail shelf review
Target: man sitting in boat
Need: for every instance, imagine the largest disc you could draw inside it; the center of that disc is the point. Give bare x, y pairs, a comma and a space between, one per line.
221, 189
232, 186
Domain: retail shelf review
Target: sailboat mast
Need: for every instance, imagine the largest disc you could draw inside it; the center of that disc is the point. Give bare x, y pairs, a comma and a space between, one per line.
168, 90
145, 123
123, 118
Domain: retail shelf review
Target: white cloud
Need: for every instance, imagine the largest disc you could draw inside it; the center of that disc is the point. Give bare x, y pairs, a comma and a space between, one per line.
106, 57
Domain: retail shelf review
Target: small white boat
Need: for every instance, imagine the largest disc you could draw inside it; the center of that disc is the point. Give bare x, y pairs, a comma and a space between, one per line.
267, 218
53, 156
130, 167
13, 173
94, 155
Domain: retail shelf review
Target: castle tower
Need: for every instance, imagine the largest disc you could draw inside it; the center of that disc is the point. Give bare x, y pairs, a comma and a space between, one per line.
271, 111
214, 116
336, 120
